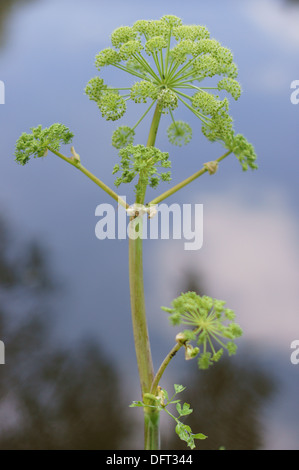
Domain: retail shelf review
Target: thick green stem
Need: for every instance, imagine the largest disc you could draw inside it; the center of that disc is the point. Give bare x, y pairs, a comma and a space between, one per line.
141, 339
151, 429
142, 345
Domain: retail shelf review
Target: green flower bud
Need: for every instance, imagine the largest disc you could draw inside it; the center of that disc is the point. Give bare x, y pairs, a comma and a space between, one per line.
167, 100
106, 57
157, 43
232, 348
122, 136
190, 352
94, 88
128, 49
210, 326
182, 50
231, 86
179, 132
206, 102
141, 91
171, 20
37, 143
204, 361
191, 32
122, 35
112, 105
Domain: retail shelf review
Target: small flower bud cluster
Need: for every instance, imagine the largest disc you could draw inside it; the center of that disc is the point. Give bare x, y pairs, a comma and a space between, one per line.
179, 132
37, 143
220, 123
181, 51
243, 150
231, 86
122, 35
157, 43
144, 161
112, 105
152, 28
130, 48
106, 57
212, 323
122, 136
94, 88
207, 103
142, 91
207, 46
192, 32
205, 66
167, 100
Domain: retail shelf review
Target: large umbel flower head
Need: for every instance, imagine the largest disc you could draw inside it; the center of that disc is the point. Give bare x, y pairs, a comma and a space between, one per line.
172, 64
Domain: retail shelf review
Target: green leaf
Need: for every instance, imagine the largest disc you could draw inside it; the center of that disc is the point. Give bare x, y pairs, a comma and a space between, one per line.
199, 436
179, 388
136, 404
186, 410
184, 433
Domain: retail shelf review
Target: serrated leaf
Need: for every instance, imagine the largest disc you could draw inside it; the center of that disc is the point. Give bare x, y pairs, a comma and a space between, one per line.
186, 410
187, 428
179, 429
178, 388
179, 408
184, 433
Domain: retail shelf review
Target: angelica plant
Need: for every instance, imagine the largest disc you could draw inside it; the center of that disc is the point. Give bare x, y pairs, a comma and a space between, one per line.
171, 65
162, 401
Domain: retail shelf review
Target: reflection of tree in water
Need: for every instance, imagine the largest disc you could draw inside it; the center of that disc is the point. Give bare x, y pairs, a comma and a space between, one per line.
50, 398
6, 9
227, 400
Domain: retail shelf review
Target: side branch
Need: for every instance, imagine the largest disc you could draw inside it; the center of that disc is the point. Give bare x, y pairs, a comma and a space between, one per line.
76, 163
183, 183
163, 366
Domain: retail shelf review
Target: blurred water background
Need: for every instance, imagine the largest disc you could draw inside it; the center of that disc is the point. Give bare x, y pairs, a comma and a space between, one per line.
70, 369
